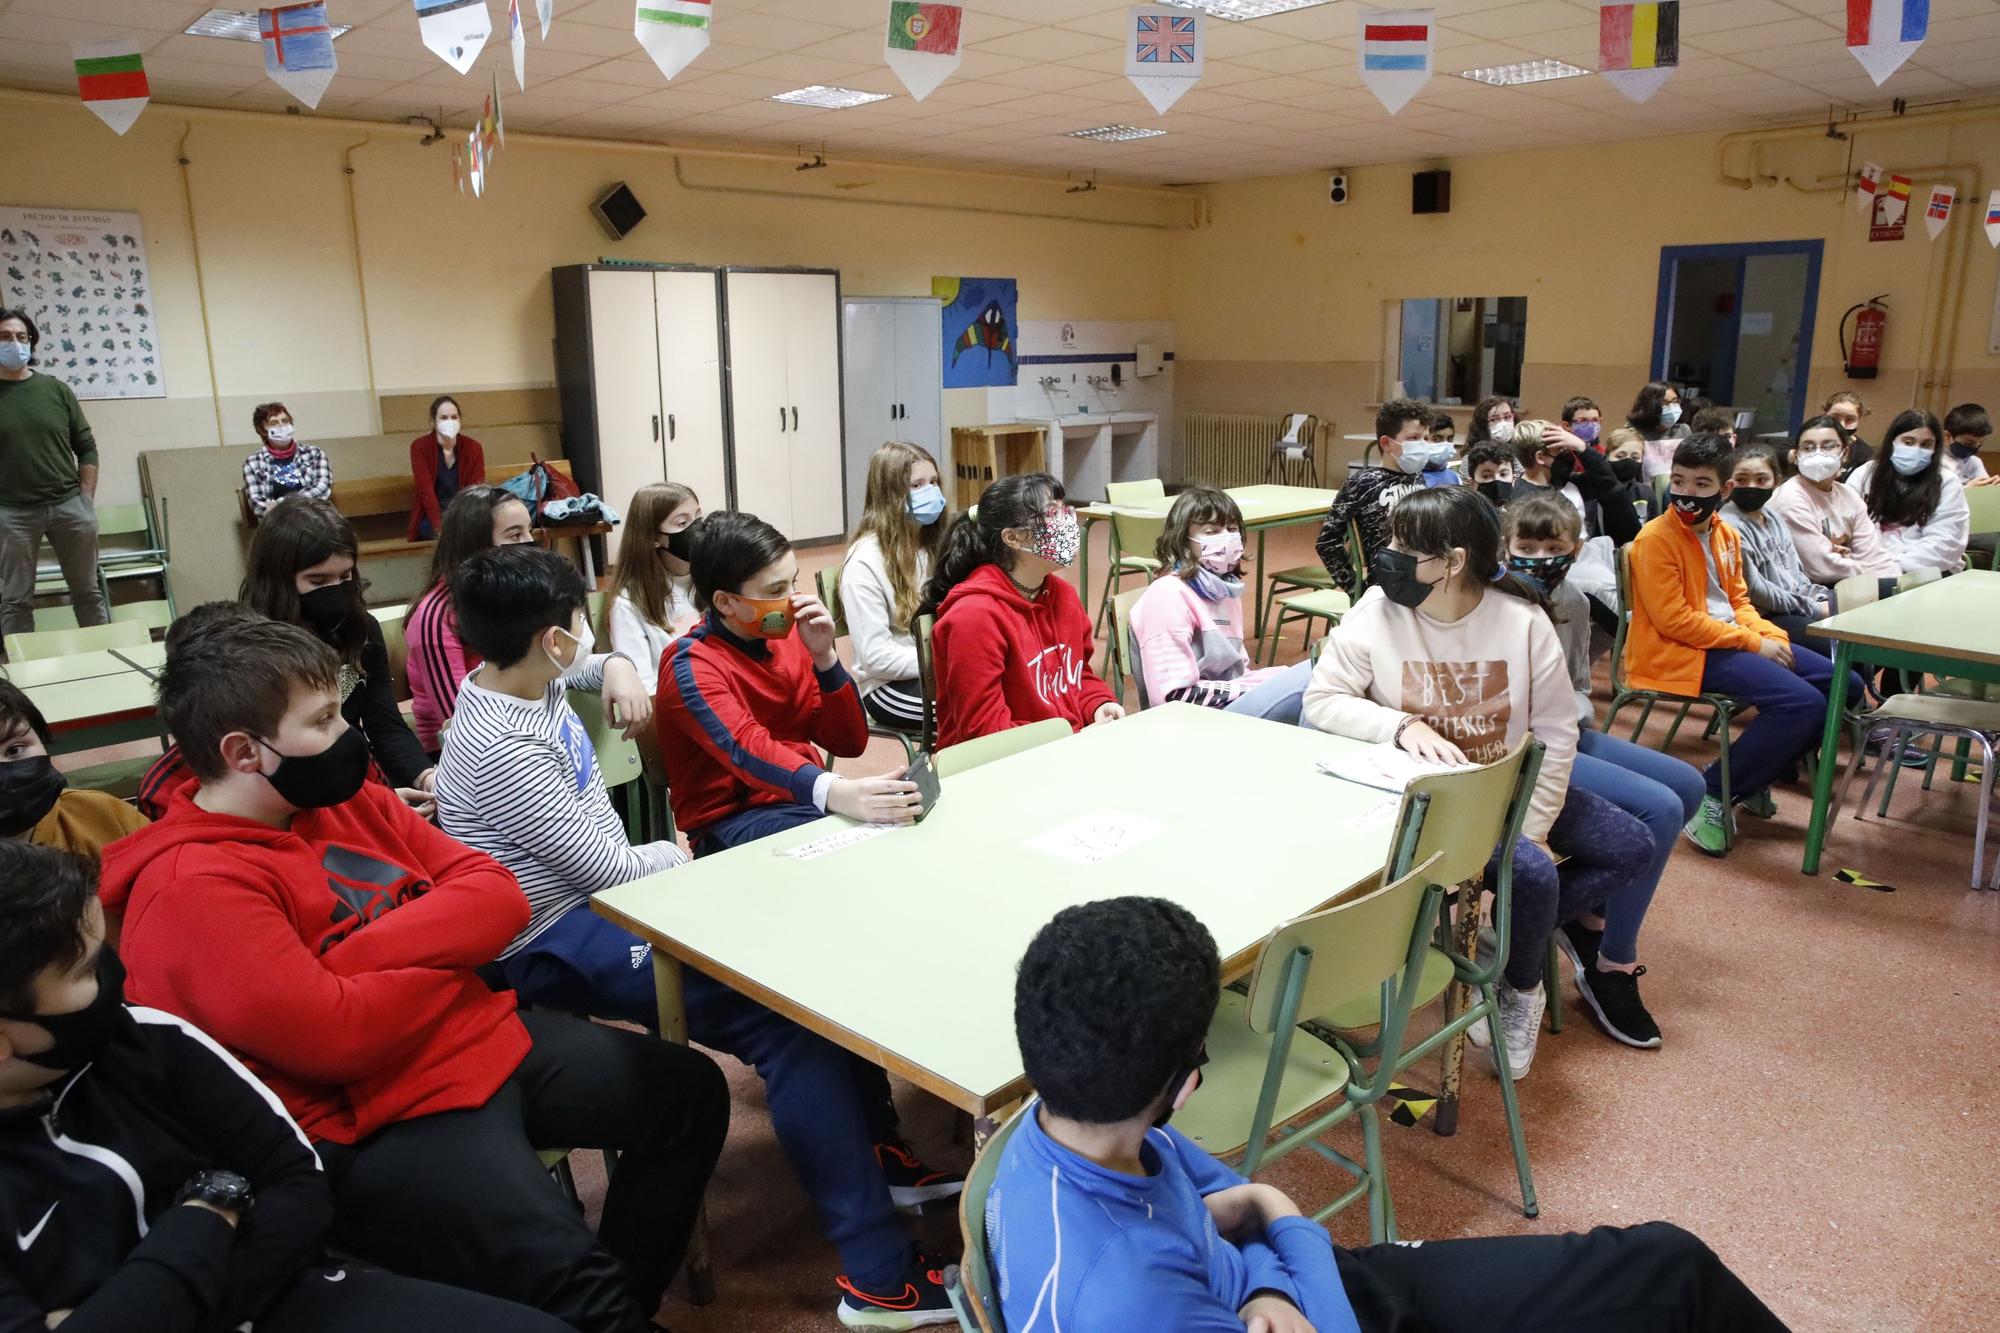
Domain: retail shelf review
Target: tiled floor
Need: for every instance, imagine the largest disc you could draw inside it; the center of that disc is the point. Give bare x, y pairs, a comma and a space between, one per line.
1823, 1111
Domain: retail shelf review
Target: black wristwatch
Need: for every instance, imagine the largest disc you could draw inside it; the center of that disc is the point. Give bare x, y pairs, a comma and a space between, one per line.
218, 1189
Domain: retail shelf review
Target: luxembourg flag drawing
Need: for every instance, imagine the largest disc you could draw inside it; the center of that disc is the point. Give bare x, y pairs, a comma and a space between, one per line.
298, 49
1882, 34
1638, 45
1993, 220
1395, 54
111, 79
673, 32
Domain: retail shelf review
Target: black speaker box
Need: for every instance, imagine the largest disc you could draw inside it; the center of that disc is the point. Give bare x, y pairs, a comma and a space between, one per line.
618, 211
1430, 192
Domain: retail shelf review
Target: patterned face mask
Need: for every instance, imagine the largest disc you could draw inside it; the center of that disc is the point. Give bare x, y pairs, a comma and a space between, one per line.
1057, 537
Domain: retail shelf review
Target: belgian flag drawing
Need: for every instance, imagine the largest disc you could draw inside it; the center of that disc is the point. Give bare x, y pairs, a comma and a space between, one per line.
1638, 46
111, 79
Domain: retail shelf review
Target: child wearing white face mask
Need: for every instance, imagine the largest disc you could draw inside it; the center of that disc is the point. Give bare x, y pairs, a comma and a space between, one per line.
894, 548
1187, 630
1830, 524
283, 466
1916, 501
1369, 493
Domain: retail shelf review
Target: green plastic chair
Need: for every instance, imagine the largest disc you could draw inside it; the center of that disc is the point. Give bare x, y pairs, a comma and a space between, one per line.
1132, 538
1124, 661
1367, 951
155, 615
1459, 818
1308, 579
34, 645
975, 1296
828, 583
1623, 693
1328, 604
1984, 502
968, 755
921, 629
617, 758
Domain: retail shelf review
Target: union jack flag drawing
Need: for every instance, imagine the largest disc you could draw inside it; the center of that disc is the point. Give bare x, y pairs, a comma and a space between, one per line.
1165, 39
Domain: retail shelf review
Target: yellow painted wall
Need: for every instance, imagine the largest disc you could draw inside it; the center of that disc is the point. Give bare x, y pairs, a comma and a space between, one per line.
458, 290
1281, 308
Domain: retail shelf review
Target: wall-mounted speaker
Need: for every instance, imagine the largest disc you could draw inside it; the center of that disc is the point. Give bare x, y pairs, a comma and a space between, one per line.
1430, 192
618, 211
1336, 188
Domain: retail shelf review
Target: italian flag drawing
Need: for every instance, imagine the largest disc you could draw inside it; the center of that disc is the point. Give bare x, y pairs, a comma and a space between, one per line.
922, 44
111, 79
673, 32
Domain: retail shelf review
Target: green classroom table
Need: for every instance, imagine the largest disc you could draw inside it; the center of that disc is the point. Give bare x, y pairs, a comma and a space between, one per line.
98, 711
1948, 628
902, 947
1264, 508
75, 666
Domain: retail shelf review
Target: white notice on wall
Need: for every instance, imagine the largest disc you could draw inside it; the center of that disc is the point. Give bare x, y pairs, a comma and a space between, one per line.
1097, 837
1756, 324
82, 276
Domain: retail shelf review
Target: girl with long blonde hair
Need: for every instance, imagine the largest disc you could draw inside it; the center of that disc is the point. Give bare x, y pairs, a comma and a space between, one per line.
892, 553
652, 601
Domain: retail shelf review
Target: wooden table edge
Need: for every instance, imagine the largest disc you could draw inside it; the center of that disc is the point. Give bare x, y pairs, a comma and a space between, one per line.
1914, 647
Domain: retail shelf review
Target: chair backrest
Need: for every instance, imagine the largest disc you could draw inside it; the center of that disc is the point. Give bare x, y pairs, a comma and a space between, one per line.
968, 755
975, 1270
60, 616
1463, 815
1984, 502
1621, 561
1857, 591
828, 583
1124, 652
1917, 578
396, 639
1350, 949
617, 758
1357, 559
35, 645
1744, 420
920, 630
154, 615
123, 521
1138, 536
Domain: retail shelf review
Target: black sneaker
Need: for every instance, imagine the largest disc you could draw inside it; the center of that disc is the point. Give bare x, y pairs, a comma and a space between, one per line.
1581, 943
911, 1183
919, 1300
1613, 998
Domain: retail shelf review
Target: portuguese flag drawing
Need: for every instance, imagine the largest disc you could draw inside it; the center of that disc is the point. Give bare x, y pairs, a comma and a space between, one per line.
111, 79
922, 44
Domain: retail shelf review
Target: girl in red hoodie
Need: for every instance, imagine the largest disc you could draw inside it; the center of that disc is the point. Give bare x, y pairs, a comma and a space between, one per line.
1012, 643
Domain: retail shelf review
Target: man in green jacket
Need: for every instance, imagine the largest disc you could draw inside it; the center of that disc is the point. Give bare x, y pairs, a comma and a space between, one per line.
48, 483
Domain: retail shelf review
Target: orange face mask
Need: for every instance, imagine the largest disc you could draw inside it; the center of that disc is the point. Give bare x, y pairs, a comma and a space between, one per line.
774, 616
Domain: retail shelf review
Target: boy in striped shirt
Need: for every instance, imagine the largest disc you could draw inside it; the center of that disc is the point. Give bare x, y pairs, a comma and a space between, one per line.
519, 780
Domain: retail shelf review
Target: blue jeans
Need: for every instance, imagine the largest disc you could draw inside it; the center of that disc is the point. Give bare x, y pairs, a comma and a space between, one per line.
1277, 699
1663, 793
758, 821
1608, 853
1791, 710
585, 964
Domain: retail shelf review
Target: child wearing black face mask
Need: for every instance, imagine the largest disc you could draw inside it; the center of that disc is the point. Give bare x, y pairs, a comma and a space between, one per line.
36, 804
1779, 586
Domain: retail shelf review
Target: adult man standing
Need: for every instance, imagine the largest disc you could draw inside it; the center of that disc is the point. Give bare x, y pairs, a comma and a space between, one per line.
48, 483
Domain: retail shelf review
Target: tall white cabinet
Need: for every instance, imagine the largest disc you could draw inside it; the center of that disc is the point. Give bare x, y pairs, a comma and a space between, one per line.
893, 383
726, 380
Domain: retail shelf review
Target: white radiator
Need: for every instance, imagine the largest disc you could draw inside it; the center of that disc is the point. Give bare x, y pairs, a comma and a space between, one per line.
1227, 449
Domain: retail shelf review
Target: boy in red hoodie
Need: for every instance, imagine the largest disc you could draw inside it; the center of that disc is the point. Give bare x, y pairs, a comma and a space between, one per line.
1012, 643
326, 935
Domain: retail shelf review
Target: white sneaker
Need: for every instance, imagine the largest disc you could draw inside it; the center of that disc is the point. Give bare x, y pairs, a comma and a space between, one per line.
1521, 1022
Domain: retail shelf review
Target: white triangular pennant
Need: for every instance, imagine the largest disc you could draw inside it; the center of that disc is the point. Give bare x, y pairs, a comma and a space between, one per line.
921, 44
1638, 84
1993, 220
673, 32
1937, 212
517, 40
298, 49
111, 80
1882, 34
1638, 45
1394, 53
1165, 51
1867, 184
455, 30
545, 10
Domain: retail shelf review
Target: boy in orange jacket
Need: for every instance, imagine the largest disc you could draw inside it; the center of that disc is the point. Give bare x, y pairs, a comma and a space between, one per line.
1695, 631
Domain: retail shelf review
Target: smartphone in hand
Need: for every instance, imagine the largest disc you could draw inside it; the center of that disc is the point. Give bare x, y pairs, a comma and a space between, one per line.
926, 778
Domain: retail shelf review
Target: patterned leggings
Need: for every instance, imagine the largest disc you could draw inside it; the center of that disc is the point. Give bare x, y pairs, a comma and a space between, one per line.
1609, 856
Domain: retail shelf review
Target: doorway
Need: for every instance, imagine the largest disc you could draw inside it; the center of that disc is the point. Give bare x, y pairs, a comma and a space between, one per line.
1734, 324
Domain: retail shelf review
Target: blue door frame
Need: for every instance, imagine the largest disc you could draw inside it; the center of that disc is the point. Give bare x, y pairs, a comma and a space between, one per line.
1663, 309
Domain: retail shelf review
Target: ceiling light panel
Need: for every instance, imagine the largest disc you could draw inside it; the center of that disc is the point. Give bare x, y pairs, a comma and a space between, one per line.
830, 99
238, 25
1115, 133
1527, 71
1236, 11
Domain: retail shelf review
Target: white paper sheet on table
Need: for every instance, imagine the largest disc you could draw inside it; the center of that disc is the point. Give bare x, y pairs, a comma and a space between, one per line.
1383, 767
835, 842
1096, 837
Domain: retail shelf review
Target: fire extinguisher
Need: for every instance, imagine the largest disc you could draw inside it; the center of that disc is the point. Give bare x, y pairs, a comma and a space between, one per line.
1864, 355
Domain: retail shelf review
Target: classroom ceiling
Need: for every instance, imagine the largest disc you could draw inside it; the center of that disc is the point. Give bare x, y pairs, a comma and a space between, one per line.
1280, 94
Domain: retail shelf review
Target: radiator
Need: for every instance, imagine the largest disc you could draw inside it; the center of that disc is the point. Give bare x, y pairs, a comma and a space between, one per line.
1225, 449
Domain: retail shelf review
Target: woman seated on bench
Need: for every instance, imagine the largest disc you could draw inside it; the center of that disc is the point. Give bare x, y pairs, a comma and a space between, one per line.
283, 466
441, 463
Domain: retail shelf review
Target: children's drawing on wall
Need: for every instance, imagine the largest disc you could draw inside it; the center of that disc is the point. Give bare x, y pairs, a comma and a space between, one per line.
980, 323
82, 277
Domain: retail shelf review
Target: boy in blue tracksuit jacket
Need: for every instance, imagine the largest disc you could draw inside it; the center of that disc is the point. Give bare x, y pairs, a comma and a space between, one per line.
1103, 1218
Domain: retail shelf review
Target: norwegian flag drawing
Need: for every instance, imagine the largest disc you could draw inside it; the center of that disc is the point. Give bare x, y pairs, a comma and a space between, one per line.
1164, 39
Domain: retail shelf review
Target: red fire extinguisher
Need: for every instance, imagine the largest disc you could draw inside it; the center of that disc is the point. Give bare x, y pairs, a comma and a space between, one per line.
1864, 355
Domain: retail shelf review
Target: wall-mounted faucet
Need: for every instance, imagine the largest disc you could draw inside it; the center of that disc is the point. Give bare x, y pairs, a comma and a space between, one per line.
1098, 382
1051, 384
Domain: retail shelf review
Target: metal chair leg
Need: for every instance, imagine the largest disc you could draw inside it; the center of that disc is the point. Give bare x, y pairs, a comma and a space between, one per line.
1895, 771
1985, 807
1529, 1206
1675, 729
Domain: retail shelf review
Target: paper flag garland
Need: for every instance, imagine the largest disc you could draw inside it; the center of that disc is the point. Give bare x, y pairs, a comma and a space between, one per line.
456, 30
545, 10
1638, 46
1867, 184
517, 39
1882, 34
111, 79
458, 167
1938, 212
673, 32
922, 45
1993, 220
298, 49
1395, 54
1165, 50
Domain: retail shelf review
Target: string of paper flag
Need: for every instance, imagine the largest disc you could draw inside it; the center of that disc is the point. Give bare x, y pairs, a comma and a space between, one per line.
1166, 48
1888, 202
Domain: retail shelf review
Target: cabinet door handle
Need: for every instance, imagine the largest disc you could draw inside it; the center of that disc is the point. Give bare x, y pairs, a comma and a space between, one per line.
795, 418
670, 426
656, 428
781, 418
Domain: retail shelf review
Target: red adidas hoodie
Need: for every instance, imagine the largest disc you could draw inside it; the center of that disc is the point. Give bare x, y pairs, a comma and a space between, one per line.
1004, 660
334, 958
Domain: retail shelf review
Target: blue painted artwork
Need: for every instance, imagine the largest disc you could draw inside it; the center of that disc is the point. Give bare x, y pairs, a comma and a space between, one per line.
981, 349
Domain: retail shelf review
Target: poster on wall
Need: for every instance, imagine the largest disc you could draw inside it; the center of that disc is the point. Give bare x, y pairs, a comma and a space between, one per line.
1892, 211
981, 317
82, 276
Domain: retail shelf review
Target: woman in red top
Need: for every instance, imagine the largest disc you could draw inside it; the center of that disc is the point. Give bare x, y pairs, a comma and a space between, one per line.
442, 463
1012, 643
